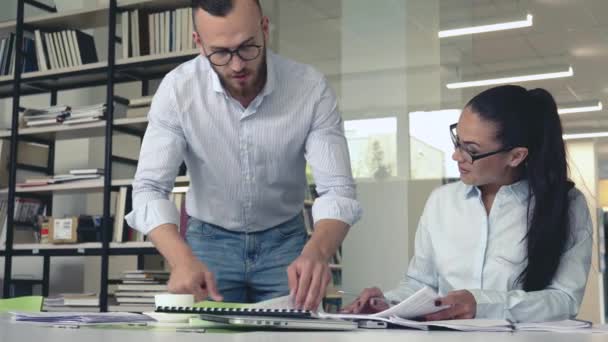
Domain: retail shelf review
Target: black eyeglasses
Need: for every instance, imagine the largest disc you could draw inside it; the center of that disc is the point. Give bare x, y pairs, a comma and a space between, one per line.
247, 52
469, 156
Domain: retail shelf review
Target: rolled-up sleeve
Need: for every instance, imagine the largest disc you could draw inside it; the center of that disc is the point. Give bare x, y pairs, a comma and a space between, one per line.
162, 152
327, 154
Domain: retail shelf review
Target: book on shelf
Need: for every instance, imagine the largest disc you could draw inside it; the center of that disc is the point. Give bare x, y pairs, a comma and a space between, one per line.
26, 211
93, 171
119, 214
27, 154
144, 101
56, 115
148, 32
154, 275
138, 107
48, 50
57, 179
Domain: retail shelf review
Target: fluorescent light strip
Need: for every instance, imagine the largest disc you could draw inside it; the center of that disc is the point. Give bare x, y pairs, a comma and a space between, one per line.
585, 135
511, 79
581, 109
487, 28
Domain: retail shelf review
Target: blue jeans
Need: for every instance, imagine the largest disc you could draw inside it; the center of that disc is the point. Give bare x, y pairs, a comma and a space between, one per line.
248, 267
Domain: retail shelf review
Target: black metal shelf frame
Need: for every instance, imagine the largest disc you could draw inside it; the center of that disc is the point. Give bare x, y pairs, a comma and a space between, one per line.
107, 74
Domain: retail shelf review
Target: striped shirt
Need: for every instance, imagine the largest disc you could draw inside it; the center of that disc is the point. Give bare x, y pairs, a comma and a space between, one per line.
459, 246
246, 165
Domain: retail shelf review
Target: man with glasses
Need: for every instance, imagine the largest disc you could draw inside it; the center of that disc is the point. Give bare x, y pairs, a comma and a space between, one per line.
245, 121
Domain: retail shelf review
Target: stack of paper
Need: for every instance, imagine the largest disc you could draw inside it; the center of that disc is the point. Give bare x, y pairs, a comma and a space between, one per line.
80, 317
456, 324
557, 326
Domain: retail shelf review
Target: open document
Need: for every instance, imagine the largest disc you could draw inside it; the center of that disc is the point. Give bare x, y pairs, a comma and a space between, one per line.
419, 304
422, 303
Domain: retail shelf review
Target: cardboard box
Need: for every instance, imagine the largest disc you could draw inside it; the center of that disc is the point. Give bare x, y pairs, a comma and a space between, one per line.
63, 230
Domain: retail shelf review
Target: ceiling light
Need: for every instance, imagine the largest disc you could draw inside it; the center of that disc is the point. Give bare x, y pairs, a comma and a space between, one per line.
580, 107
487, 28
556, 73
585, 135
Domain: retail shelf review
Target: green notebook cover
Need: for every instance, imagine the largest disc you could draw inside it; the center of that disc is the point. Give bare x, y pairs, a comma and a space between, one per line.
22, 304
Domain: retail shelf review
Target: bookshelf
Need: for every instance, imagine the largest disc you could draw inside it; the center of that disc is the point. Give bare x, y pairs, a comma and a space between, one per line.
108, 73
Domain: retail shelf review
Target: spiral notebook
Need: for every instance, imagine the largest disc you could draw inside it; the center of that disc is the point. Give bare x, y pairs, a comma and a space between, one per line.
263, 312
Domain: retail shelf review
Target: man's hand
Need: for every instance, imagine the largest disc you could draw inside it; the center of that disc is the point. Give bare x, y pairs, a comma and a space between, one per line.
188, 274
308, 277
309, 274
462, 306
371, 300
195, 278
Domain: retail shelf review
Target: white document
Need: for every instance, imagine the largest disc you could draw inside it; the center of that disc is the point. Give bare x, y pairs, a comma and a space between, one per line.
419, 304
557, 326
485, 325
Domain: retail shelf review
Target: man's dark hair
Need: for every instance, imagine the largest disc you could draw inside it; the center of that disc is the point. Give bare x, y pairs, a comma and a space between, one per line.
217, 8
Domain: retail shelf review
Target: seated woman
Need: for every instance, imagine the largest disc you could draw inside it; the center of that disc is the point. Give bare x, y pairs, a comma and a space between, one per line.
512, 239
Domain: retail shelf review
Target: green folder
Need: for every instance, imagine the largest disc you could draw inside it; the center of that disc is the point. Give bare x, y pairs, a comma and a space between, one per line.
23, 304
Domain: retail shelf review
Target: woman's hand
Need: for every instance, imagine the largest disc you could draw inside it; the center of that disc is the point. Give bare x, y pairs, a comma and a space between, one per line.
462, 306
370, 300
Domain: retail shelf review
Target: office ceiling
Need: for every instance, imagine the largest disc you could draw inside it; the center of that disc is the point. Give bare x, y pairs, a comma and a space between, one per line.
564, 32
573, 32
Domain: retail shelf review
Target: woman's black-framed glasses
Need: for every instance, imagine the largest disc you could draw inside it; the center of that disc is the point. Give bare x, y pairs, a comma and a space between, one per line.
468, 156
246, 52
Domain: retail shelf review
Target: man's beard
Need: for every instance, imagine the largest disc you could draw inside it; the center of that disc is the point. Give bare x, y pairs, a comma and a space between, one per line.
259, 78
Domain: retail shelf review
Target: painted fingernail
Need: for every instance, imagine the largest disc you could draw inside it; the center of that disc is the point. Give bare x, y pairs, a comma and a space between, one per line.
437, 303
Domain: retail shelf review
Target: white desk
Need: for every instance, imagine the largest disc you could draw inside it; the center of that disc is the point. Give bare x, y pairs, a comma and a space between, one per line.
18, 332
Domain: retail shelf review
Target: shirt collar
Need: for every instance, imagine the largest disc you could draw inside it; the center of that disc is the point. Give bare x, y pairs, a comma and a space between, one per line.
518, 189
270, 76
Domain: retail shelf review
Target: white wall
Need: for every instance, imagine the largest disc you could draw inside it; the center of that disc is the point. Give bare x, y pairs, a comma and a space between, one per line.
582, 160
390, 65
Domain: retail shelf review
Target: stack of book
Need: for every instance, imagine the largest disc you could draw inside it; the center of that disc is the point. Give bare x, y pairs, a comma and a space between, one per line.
72, 302
138, 288
35, 117
74, 175
139, 107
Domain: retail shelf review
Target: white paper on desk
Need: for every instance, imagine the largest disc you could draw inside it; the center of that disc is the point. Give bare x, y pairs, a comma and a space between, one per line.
485, 325
570, 325
420, 303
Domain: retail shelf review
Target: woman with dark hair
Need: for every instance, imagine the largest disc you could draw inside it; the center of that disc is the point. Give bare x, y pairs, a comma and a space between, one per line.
513, 239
